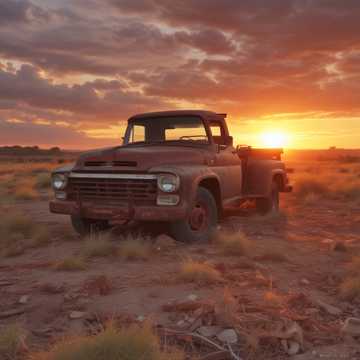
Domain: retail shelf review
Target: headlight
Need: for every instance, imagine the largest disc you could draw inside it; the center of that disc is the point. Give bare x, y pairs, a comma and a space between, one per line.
168, 183
59, 181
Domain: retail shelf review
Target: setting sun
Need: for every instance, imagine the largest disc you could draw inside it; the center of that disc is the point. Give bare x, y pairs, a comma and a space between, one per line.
274, 139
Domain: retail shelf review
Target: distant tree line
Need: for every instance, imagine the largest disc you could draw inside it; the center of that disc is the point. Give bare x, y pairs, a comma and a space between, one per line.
17, 150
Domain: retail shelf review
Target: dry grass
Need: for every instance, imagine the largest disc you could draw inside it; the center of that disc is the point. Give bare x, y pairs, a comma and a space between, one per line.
272, 299
12, 342
331, 180
71, 264
40, 237
22, 181
25, 190
233, 244
200, 273
43, 181
134, 343
17, 223
350, 287
99, 245
18, 232
134, 248
310, 185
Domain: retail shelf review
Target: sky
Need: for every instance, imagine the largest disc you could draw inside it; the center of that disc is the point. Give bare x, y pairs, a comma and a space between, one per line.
285, 71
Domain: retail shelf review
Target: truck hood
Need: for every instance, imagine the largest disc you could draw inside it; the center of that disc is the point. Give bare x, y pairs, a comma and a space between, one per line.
138, 159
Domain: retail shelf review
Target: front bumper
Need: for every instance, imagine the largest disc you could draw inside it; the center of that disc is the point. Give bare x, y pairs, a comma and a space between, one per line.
119, 214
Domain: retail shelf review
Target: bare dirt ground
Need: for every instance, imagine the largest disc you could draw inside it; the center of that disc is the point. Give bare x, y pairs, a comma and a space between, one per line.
309, 272
290, 276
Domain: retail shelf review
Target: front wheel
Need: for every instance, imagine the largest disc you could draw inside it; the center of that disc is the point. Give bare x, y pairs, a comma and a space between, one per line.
201, 221
84, 226
270, 203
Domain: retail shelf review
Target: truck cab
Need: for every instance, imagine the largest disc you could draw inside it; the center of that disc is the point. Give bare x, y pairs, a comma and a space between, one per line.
176, 167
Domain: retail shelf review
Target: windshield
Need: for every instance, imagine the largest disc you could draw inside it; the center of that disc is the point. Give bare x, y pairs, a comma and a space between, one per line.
188, 129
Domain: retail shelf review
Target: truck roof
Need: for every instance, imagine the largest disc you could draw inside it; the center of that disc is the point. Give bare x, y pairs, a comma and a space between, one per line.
208, 115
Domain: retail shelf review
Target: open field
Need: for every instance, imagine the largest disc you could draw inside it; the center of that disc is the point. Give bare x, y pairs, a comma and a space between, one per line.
280, 285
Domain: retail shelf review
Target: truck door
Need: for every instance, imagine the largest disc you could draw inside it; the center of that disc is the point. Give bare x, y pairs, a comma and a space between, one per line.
227, 163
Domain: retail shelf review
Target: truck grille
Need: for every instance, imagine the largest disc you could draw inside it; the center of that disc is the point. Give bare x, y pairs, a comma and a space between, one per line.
113, 191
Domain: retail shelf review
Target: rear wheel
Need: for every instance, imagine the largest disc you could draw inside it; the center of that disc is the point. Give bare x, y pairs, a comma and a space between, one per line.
271, 203
84, 226
201, 222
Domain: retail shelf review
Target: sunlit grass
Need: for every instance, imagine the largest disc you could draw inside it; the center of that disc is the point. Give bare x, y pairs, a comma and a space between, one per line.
134, 248
71, 264
99, 245
19, 232
12, 342
134, 343
200, 273
233, 244
350, 287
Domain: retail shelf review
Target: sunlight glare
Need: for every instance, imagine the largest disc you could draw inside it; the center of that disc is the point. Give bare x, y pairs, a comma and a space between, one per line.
274, 139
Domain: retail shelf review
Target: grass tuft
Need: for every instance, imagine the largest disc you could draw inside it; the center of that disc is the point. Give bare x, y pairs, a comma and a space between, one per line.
350, 287
71, 264
43, 181
309, 185
40, 237
134, 248
99, 245
233, 244
12, 342
24, 190
18, 232
134, 343
17, 223
200, 273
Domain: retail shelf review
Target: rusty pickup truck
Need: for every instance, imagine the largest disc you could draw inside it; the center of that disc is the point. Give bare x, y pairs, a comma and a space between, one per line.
178, 168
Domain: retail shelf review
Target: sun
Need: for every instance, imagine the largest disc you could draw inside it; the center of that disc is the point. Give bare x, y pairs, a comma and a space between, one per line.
274, 139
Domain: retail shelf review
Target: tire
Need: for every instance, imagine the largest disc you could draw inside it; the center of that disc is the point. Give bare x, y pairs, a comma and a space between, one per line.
201, 223
270, 204
85, 226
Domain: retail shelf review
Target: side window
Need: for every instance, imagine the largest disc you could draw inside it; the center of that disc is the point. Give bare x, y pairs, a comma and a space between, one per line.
137, 133
215, 129
217, 133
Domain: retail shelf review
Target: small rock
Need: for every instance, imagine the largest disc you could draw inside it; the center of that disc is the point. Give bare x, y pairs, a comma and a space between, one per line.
332, 310
76, 315
140, 318
228, 336
192, 297
164, 242
304, 281
291, 347
181, 324
24, 299
209, 331
351, 326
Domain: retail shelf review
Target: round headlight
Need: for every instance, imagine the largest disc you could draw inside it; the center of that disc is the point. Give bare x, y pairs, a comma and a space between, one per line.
168, 183
59, 181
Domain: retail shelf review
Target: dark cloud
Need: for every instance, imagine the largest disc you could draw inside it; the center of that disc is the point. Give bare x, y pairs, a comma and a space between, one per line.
20, 11
26, 86
47, 135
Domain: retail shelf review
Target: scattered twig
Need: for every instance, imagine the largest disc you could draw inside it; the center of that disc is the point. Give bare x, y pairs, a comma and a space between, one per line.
9, 313
218, 355
232, 353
